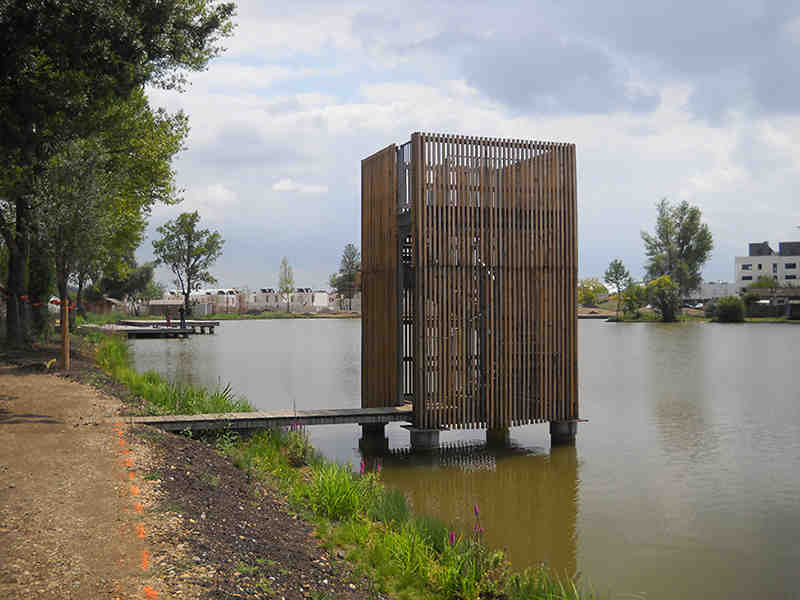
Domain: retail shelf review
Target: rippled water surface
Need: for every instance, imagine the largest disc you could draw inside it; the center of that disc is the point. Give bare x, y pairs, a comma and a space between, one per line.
685, 482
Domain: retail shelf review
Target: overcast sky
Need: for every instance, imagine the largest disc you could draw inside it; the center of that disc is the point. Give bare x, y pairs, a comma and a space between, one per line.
696, 101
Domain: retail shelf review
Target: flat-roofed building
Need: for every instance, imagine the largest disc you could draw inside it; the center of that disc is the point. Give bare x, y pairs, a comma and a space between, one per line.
762, 261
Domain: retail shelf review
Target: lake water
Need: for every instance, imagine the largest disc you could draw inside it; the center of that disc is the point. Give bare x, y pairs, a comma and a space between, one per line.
685, 482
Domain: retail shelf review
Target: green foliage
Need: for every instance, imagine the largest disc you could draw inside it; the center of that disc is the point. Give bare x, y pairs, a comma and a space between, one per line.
633, 299
729, 310
390, 507
286, 281
188, 252
67, 67
590, 290
663, 295
710, 309
765, 282
299, 450
335, 493
347, 280
618, 276
680, 246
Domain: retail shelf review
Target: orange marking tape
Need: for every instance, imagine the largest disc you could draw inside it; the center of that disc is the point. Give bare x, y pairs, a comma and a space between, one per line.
140, 530
150, 592
145, 560
134, 490
138, 507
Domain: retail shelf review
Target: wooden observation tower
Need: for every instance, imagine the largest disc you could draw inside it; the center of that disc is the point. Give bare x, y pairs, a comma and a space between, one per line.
469, 273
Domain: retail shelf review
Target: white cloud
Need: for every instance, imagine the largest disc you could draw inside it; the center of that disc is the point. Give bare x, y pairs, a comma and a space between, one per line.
288, 185
281, 122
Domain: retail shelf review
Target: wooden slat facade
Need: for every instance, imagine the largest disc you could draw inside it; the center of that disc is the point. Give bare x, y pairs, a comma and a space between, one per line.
479, 328
379, 261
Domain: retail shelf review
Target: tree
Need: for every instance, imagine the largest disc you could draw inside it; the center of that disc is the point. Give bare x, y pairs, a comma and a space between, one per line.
634, 298
188, 251
286, 282
729, 310
590, 290
65, 62
664, 296
680, 246
618, 276
346, 281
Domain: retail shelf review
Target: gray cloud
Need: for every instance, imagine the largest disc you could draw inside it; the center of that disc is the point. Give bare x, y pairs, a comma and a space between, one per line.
544, 74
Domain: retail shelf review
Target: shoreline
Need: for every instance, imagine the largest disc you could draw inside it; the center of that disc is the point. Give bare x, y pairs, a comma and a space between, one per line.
213, 484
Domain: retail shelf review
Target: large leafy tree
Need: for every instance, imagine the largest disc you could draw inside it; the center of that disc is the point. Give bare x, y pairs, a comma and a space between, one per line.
189, 252
64, 62
93, 194
680, 246
618, 276
346, 281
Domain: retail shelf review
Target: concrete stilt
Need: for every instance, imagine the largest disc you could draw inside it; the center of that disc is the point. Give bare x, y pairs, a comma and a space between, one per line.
563, 432
373, 438
424, 439
497, 437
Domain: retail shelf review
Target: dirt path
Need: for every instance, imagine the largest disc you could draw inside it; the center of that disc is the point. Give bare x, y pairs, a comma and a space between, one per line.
72, 524
91, 508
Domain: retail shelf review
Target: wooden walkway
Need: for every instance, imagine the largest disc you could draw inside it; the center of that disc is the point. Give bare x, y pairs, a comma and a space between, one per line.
263, 420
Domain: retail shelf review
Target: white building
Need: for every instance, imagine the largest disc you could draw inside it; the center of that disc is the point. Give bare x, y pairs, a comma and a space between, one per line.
763, 261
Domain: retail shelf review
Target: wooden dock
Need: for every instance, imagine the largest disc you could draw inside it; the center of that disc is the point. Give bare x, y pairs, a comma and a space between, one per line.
264, 420
154, 332
192, 326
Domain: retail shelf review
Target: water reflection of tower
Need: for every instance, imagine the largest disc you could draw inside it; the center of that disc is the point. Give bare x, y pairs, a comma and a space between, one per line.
528, 503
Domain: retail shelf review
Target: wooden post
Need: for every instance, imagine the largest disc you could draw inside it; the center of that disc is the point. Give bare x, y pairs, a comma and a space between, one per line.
65, 332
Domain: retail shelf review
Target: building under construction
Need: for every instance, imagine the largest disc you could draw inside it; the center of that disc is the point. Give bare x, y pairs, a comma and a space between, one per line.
469, 271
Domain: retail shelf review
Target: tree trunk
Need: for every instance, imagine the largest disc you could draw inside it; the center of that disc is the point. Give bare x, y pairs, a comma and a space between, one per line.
186, 303
16, 280
62, 293
17, 271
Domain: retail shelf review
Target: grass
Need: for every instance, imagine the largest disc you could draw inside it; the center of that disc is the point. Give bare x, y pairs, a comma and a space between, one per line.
161, 397
402, 555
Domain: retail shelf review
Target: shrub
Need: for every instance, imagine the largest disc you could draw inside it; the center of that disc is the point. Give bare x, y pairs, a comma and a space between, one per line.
730, 310
710, 309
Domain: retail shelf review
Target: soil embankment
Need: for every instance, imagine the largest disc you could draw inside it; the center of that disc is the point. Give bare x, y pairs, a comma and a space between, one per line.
90, 508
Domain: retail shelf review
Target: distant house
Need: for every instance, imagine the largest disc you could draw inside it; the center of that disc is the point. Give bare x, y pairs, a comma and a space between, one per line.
106, 305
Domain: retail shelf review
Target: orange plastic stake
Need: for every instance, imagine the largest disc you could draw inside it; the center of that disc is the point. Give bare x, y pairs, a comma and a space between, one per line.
139, 507
134, 490
131, 475
129, 462
145, 560
150, 592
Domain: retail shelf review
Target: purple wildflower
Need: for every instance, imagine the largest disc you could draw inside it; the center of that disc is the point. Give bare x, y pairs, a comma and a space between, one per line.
477, 511
452, 538
363, 467
378, 467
